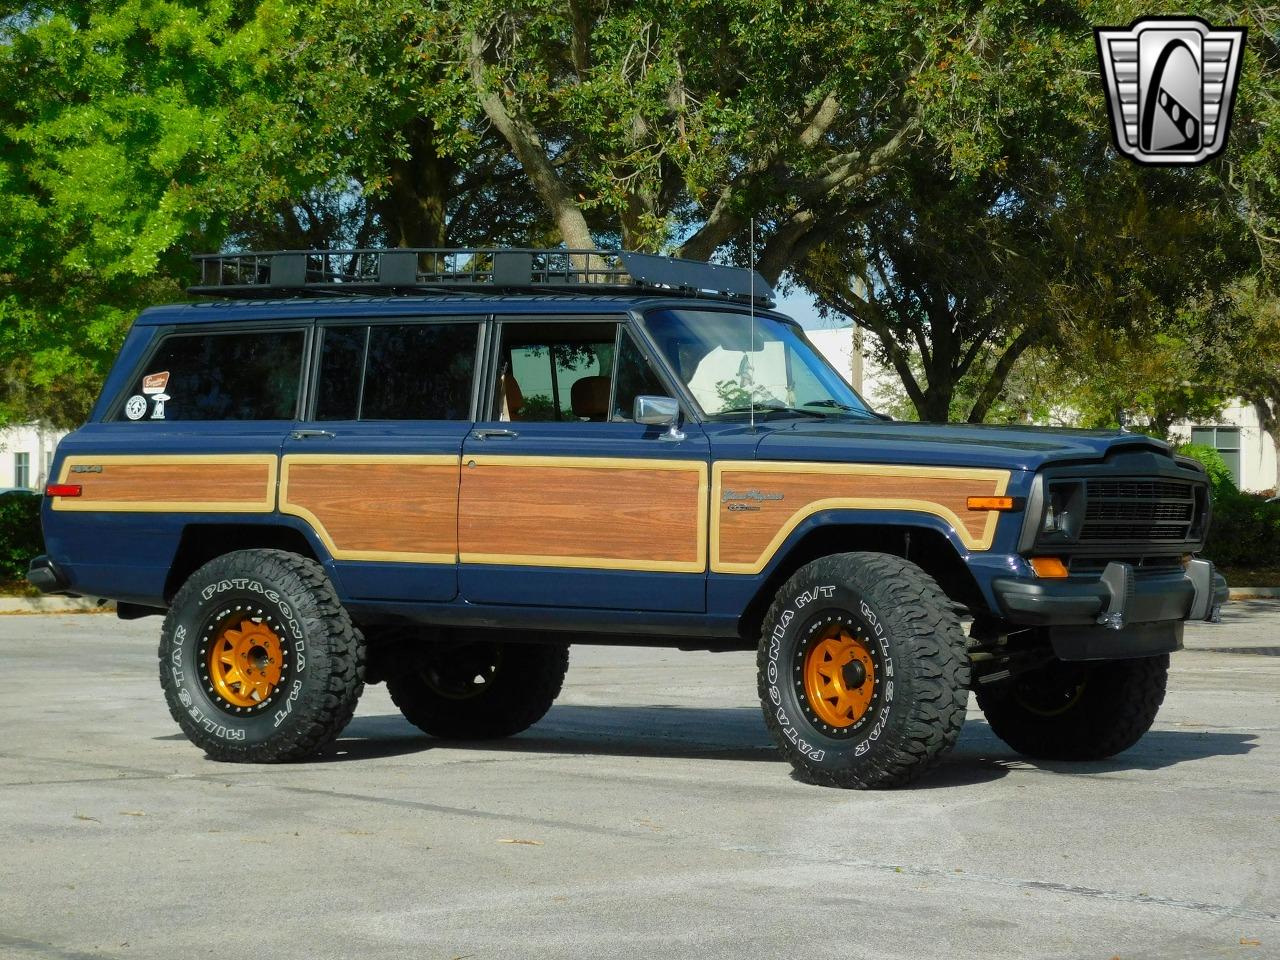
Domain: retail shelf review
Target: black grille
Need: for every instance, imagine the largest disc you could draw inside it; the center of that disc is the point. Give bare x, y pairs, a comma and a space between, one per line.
1138, 511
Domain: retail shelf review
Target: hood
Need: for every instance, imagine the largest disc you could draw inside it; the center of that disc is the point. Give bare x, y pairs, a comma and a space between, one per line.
941, 444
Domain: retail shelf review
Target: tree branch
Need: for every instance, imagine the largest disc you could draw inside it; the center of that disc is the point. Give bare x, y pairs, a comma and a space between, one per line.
530, 151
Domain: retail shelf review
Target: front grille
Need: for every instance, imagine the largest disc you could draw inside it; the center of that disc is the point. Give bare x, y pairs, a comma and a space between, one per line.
1138, 511
1142, 565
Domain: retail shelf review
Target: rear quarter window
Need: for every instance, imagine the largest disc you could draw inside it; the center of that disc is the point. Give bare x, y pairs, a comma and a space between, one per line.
219, 376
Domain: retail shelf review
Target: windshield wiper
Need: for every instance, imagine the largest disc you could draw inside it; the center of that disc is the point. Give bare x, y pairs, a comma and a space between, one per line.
770, 408
860, 412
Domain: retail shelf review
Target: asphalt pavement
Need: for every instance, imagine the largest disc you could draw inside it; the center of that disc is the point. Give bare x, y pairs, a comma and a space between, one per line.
647, 816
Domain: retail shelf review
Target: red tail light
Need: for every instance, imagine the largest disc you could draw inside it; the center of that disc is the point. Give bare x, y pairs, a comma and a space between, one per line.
62, 490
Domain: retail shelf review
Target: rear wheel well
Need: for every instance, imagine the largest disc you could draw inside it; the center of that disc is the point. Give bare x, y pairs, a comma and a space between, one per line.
202, 542
924, 546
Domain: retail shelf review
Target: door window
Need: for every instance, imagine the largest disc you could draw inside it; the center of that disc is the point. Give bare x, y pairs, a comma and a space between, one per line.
570, 373
399, 371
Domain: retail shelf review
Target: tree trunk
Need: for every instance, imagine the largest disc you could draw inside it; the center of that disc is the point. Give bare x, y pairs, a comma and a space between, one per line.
1268, 409
532, 154
421, 185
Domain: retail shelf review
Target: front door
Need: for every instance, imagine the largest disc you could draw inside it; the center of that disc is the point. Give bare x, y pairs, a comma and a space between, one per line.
374, 467
565, 500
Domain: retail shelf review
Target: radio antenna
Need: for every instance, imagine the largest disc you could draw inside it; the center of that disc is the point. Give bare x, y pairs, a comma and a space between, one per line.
751, 342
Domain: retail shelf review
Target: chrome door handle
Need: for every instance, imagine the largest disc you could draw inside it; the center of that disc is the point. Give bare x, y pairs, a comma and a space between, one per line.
496, 434
311, 434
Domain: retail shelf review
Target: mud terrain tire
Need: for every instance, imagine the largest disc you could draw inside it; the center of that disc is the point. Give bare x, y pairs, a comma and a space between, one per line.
1077, 711
885, 719
308, 648
479, 690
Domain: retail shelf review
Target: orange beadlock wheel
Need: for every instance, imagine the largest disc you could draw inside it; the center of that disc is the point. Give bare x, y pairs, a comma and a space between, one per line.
839, 677
245, 663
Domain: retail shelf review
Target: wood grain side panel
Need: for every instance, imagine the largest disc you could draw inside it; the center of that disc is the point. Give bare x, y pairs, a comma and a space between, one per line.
640, 515
744, 540
213, 483
386, 508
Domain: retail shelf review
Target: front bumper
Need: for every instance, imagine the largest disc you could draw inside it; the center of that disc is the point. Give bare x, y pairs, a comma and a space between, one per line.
1118, 615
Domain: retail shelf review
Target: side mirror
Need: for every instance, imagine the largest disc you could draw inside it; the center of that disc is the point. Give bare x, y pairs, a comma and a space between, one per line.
659, 412
656, 411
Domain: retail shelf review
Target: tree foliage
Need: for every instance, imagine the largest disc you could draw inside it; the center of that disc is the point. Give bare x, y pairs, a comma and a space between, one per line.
937, 171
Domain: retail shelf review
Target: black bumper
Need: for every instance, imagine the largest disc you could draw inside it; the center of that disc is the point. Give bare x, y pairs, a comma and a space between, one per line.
1118, 615
47, 576
1034, 602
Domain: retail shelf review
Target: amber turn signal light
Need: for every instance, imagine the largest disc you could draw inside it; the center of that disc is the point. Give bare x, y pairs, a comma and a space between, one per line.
62, 490
993, 503
1050, 567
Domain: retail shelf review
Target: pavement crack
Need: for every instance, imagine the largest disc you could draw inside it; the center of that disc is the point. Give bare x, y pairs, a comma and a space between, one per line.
1047, 886
22, 946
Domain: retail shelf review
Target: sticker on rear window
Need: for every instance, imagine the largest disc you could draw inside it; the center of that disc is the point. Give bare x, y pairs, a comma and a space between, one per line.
155, 382
136, 408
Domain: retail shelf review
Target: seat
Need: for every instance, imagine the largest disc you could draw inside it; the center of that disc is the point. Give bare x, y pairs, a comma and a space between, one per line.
589, 398
513, 398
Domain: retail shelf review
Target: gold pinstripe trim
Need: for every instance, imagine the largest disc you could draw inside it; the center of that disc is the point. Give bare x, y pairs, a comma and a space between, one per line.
999, 477
341, 459
74, 504
699, 467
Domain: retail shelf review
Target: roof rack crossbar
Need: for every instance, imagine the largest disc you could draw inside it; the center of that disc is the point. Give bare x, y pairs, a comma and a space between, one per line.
402, 270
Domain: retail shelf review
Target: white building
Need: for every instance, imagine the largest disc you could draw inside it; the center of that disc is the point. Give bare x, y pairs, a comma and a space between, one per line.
26, 451
1237, 434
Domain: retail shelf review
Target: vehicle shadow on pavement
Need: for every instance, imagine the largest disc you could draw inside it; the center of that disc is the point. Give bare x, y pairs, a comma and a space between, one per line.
1155, 751
738, 733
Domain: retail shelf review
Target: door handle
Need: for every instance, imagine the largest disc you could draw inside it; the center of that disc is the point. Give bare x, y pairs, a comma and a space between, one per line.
496, 434
311, 434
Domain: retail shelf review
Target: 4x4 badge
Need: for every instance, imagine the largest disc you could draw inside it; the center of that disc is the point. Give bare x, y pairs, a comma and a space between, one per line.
1170, 84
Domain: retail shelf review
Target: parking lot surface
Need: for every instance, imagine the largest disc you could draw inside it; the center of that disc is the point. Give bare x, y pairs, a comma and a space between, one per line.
646, 816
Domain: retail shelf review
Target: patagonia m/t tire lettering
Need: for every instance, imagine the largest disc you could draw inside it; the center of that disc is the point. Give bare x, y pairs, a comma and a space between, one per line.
258, 659
863, 675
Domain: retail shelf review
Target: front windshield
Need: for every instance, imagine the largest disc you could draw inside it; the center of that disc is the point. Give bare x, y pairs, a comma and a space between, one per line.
728, 370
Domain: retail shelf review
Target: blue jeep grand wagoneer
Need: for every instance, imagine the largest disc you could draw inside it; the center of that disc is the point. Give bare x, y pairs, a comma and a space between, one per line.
439, 469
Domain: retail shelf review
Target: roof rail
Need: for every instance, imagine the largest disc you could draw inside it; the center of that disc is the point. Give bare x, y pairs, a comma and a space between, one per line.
471, 270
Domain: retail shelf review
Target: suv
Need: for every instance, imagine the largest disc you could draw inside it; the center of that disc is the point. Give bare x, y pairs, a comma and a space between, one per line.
440, 469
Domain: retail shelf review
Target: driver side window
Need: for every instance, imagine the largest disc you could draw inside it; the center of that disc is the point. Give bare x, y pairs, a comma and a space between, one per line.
570, 373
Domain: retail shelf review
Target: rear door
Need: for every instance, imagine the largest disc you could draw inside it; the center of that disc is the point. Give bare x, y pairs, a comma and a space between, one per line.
565, 500
373, 468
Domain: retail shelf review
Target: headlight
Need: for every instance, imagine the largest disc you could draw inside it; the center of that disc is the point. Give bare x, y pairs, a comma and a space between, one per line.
1063, 511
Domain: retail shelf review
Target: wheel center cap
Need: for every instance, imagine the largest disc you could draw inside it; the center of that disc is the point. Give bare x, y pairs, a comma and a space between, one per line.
854, 674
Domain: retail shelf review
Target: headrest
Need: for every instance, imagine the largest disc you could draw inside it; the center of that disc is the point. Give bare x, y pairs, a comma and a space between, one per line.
590, 398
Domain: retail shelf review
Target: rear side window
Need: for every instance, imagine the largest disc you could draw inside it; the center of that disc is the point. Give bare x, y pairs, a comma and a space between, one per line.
400, 371
220, 376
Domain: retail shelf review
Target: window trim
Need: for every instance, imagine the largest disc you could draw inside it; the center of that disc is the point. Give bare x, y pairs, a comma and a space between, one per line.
164, 334
309, 411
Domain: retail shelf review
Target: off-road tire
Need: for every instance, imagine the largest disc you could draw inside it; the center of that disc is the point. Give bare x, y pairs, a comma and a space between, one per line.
520, 690
920, 669
1109, 712
322, 676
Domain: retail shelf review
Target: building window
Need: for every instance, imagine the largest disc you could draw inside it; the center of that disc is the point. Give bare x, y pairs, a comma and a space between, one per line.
1226, 440
22, 470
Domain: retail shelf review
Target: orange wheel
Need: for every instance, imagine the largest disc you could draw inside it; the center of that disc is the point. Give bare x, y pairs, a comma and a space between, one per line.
245, 661
839, 677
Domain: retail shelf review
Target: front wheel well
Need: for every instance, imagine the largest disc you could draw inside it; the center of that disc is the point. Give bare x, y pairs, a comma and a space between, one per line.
202, 542
924, 546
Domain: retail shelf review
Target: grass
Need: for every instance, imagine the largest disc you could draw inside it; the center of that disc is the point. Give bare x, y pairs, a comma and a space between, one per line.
17, 588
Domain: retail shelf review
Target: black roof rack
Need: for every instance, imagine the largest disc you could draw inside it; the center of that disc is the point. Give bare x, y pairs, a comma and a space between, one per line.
400, 270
